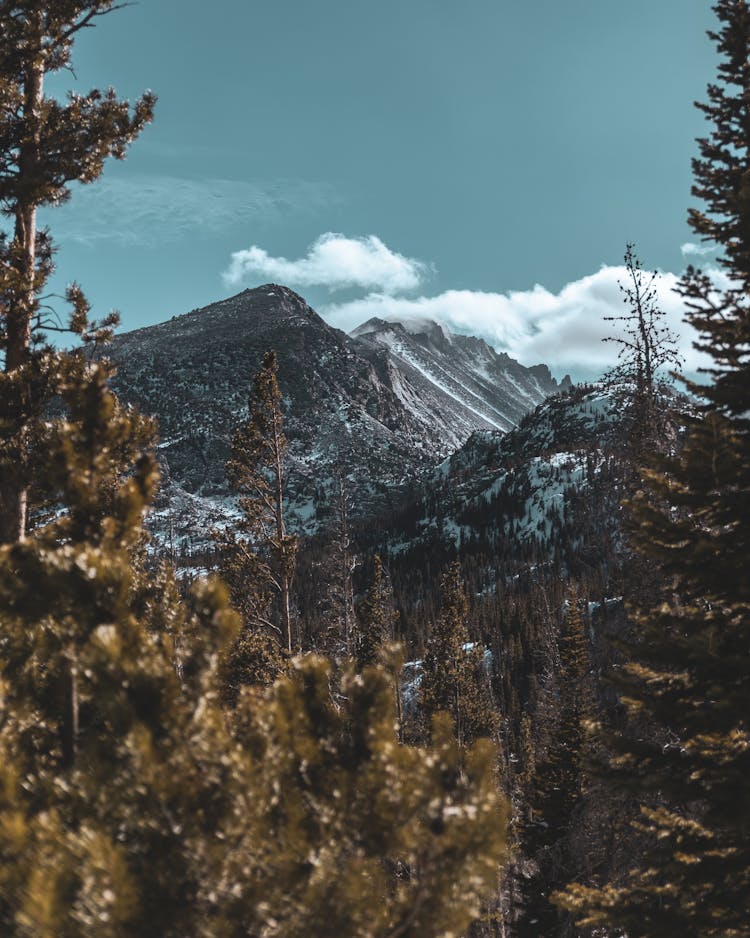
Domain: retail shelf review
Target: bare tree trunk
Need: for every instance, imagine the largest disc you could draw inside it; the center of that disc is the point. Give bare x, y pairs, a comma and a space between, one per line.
345, 559
286, 604
285, 572
399, 706
70, 719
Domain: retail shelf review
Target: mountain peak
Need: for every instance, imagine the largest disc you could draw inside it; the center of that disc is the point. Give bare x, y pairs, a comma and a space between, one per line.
277, 290
411, 325
450, 380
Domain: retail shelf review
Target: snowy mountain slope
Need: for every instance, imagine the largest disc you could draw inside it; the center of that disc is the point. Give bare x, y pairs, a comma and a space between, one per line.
532, 473
507, 500
194, 374
457, 382
382, 415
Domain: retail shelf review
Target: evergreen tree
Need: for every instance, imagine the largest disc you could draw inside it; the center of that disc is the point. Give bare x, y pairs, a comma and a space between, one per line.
376, 618
254, 658
687, 686
45, 144
127, 806
454, 679
334, 609
259, 557
350, 833
109, 760
556, 787
344, 563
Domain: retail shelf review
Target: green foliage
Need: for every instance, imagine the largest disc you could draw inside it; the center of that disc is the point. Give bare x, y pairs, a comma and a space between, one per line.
254, 659
350, 833
130, 804
324, 587
128, 807
376, 618
45, 144
720, 174
259, 556
454, 679
73, 138
555, 786
105, 776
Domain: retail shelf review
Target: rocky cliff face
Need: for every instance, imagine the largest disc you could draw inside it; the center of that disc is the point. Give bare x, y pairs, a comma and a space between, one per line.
455, 382
383, 404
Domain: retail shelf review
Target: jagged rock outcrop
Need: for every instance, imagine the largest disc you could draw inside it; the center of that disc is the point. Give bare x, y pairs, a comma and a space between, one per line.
455, 382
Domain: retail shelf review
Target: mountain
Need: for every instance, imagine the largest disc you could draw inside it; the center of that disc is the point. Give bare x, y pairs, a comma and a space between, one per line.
456, 382
543, 496
380, 411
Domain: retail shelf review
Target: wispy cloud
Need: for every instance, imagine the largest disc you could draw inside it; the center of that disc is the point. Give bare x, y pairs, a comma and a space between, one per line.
690, 249
152, 209
563, 329
332, 261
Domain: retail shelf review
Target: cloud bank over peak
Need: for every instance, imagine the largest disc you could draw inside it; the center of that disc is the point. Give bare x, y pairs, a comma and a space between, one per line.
564, 329
333, 261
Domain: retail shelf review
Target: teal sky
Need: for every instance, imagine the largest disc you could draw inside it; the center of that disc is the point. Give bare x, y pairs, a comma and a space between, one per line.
500, 143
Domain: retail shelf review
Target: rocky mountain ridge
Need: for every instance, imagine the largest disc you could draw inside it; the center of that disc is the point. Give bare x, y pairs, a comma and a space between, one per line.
377, 409
541, 498
454, 381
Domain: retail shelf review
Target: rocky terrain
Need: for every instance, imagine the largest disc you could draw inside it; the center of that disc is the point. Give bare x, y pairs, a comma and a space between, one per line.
517, 489
455, 382
382, 405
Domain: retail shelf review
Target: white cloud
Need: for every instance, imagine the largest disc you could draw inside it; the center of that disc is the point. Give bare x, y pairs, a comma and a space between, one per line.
148, 210
564, 329
333, 261
689, 249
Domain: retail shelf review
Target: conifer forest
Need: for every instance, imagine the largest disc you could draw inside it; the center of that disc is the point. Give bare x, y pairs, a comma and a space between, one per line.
289, 651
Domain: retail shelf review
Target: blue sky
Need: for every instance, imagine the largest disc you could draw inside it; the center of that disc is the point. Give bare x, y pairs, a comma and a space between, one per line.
484, 162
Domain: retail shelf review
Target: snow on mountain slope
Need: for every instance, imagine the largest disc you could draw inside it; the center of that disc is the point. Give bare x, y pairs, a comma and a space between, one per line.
515, 490
453, 381
382, 406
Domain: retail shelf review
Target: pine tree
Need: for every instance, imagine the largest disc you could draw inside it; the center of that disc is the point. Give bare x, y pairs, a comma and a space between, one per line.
351, 833
109, 759
453, 676
259, 557
45, 145
127, 807
556, 787
687, 686
334, 608
376, 618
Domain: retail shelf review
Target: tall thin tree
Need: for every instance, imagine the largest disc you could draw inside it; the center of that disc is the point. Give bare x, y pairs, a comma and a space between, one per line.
646, 346
45, 145
264, 554
454, 679
687, 685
